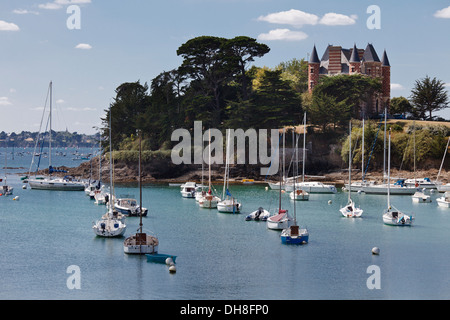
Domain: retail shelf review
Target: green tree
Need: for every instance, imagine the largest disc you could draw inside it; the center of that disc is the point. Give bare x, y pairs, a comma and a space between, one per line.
277, 104
326, 109
245, 49
126, 112
400, 105
427, 96
210, 66
295, 71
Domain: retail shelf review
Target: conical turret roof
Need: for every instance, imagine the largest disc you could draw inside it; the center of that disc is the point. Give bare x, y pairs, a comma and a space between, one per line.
385, 60
314, 57
354, 57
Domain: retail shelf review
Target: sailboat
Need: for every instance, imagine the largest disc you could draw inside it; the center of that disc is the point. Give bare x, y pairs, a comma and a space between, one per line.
440, 186
393, 216
397, 188
140, 243
281, 219
111, 224
229, 204
6, 190
209, 200
419, 196
299, 194
315, 186
293, 234
66, 183
350, 210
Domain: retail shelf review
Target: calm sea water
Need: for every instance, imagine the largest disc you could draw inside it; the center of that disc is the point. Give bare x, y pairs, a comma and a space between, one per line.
219, 256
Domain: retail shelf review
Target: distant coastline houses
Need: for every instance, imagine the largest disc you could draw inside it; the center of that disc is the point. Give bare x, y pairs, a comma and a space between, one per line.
337, 60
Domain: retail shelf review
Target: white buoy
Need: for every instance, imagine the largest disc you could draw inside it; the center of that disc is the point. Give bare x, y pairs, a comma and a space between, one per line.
172, 269
329, 201
24, 186
16, 198
376, 250
169, 261
267, 188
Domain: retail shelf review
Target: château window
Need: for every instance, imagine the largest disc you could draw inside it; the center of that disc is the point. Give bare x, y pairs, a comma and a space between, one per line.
311, 70
353, 69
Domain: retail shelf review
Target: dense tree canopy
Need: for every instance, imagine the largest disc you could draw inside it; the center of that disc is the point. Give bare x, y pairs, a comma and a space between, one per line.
427, 96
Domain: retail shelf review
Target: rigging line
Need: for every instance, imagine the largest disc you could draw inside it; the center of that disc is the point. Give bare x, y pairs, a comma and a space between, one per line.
373, 147
272, 156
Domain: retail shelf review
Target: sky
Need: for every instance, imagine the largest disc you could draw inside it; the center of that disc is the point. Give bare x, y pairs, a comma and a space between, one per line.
87, 48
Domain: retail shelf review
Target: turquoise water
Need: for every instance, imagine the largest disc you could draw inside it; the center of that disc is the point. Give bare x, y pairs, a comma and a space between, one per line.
220, 256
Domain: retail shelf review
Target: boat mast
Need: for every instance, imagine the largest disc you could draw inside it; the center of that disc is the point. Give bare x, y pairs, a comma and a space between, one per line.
140, 184
389, 173
350, 160
362, 151
50, 132
384, 148
111, 202
296, 161
443, 159
304, 146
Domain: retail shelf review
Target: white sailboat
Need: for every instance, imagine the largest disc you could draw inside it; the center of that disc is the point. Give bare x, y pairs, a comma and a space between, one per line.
281, 219
393, 216
140, 243
6, 189
209, 200
229, 204
314, 186
111, 224
299, 194
66, 183
419, 196
350, 210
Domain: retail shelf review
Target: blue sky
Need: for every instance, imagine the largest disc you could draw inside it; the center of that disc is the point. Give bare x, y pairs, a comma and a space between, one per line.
123, 41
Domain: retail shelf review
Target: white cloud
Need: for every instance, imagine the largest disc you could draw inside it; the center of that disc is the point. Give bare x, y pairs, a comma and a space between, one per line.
336, 19
50, 6
22, 11
59, 101
58, 4
443, 13
396, 86
8, 26
447, 84
83, 46
12, 90
80, 109
295, 18
72, 1
4, 101
283, 34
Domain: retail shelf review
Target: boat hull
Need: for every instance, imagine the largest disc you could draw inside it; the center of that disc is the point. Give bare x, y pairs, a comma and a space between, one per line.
312, 187
229, 206
60, 185
258, 215
442, 203
208, 202
394, 218
159, 257
109, 228
141, 243
301, 239
420, 197
383, 189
